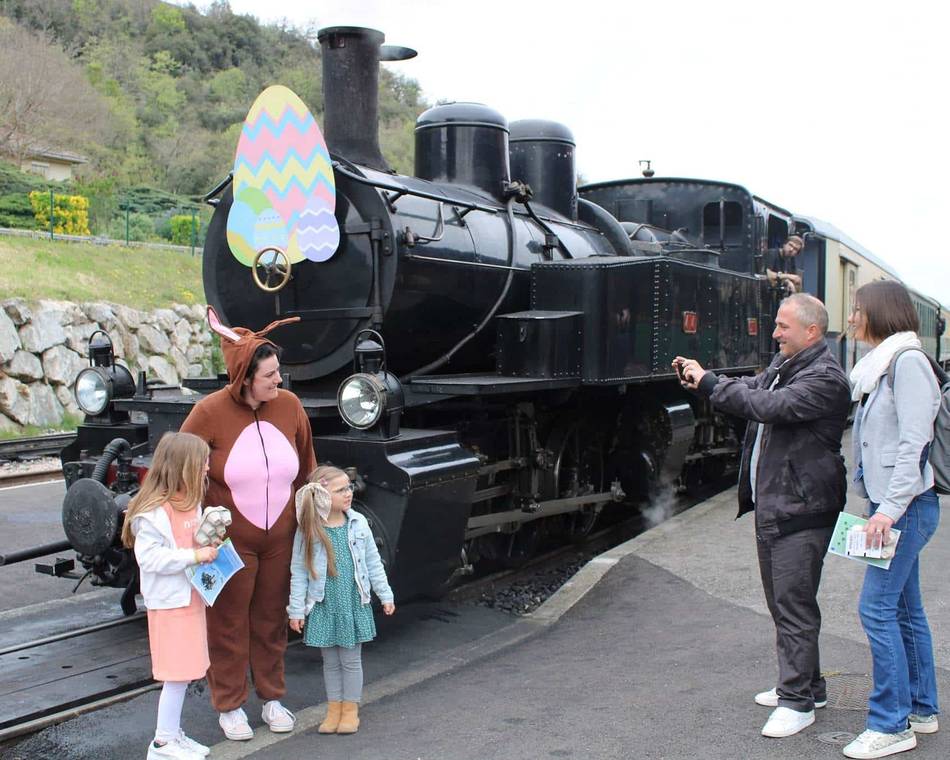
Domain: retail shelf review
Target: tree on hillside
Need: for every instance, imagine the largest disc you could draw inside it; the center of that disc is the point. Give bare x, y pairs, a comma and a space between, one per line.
171, 84
45, 100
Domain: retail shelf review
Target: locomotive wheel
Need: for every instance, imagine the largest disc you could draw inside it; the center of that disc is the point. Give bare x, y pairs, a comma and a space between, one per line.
273, 275
522, 545
509, 550
578, 448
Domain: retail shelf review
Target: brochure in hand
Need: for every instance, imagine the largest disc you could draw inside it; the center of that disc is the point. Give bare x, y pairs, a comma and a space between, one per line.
848, 540
209, 579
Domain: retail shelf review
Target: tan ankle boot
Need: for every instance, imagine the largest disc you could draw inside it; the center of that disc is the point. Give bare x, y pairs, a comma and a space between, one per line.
333, 718
350, 720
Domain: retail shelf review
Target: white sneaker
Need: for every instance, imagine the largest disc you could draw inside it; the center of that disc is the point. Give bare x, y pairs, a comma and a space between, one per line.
770, 699
235, 726
786, 722
196, 747
171, 750
923, 724
871, 744
279, 718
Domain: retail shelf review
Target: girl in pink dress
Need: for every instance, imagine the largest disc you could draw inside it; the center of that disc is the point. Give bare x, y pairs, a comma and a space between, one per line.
160, 524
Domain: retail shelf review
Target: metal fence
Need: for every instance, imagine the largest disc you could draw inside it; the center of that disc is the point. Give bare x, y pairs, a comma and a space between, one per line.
98, 240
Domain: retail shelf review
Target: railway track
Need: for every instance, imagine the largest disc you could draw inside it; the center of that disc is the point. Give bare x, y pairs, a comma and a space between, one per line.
48, 680
20, 459
26, 449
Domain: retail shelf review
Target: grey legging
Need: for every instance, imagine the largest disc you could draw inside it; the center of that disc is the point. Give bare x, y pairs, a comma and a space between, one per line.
343, 673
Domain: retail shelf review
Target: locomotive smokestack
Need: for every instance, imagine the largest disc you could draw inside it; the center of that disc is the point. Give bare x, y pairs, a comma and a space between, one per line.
351, 57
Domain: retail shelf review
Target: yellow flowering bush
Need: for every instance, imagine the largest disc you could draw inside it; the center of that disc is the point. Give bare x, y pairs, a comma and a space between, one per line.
182, 231
70, 212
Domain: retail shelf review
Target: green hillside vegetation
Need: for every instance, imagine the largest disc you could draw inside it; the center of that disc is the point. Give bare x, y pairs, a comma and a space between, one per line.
143, 278
155, 95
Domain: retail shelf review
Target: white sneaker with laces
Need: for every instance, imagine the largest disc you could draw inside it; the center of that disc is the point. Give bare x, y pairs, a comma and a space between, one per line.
871, 744
197, 748
923, 724
786, 722
279, 718
770, 699
171, 750
235, 726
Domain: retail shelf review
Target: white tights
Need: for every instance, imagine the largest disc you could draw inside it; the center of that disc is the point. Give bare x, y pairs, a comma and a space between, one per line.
169, 710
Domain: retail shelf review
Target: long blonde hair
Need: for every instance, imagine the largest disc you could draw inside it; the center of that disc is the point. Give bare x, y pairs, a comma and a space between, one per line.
311, 526
178, 467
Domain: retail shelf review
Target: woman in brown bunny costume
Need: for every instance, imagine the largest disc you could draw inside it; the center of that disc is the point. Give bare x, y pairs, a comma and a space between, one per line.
261, 453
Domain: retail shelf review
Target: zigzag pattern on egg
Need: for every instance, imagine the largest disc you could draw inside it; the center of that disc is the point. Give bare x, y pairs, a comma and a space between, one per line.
318, 234
305, 171
282, 168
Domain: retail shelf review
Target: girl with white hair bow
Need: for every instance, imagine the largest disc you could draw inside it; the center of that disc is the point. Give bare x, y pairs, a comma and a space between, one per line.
334, 567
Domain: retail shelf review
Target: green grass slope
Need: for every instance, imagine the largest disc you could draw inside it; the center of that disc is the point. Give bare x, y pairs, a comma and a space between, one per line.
144, 278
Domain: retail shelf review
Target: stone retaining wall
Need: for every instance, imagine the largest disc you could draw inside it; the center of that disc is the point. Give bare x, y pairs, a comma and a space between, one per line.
44, 345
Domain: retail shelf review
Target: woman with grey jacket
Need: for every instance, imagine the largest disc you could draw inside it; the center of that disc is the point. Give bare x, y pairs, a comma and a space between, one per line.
893, 431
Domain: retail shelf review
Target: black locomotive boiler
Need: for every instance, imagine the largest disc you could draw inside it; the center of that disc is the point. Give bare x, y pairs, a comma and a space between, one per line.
488, 350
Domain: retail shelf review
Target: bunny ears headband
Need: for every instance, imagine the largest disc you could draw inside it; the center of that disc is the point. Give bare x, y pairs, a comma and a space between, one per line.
239, 343
321, 499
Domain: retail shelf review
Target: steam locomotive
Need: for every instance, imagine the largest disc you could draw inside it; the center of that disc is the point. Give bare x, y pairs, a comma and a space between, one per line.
488, 350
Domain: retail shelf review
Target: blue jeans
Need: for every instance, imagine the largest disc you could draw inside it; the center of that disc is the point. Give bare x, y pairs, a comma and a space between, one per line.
892, 613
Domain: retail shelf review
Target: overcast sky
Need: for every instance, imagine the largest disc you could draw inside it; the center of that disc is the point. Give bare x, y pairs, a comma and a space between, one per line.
830, 109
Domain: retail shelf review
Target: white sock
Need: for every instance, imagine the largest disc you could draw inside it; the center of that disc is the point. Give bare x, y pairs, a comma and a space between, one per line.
169, 710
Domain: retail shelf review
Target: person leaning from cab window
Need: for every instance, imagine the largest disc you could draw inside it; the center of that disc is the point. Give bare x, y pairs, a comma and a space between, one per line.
785, 276
893, 430
792, 474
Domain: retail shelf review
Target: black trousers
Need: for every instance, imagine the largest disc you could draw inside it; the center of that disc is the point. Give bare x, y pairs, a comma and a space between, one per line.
790, 567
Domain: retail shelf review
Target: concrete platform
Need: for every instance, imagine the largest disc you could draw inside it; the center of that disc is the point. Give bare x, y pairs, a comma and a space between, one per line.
654, 650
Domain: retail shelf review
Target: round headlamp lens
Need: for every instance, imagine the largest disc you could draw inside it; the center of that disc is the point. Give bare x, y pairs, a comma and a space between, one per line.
360, 401
92, 392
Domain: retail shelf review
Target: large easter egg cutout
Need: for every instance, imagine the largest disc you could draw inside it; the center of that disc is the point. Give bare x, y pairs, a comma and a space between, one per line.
284, 191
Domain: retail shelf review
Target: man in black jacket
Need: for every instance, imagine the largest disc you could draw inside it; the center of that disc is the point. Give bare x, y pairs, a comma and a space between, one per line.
792, 474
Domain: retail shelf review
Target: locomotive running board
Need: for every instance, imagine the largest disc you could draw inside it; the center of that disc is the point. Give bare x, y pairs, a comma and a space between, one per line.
473, 385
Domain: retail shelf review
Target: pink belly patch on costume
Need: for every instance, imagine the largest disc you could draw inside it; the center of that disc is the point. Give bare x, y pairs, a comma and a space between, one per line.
261, 486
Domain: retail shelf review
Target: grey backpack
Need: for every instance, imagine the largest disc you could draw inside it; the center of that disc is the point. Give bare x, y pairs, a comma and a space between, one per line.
940, 448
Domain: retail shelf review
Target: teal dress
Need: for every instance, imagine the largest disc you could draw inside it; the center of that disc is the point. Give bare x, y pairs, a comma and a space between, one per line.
341, 619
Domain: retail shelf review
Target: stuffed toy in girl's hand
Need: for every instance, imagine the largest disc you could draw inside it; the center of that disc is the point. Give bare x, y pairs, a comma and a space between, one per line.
214, 524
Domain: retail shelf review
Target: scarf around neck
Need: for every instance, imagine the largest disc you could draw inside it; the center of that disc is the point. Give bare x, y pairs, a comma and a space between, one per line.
873, 365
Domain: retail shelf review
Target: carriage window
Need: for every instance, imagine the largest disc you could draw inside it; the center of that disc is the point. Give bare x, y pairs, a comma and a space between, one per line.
722, 223
778, 231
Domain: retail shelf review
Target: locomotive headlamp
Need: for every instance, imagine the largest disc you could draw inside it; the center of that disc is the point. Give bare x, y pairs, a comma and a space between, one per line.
362, 399
372, 399
92, 391
103, 380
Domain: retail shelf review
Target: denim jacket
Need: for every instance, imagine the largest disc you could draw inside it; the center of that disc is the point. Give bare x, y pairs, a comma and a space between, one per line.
369, 573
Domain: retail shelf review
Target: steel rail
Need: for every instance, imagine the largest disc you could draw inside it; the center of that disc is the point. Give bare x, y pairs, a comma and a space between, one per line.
51, 719
18, 448
71, 634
